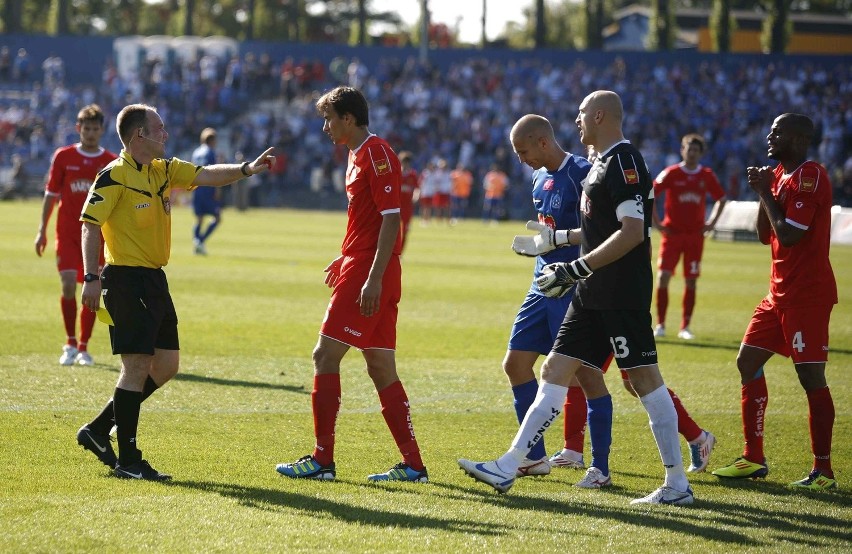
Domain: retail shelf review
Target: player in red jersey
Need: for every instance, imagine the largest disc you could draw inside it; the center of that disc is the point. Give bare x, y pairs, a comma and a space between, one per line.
407, 192
72, 172
795, 221
685, 187
367, 283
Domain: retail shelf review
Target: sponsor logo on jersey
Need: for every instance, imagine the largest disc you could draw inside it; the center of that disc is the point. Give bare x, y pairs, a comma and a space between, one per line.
352, 331
80, 185
548, 184
630, 176
690, 198
382, 166
143, 206
808, 184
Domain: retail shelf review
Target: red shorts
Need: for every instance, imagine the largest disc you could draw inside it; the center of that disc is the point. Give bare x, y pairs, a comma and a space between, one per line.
343, 320
441, 200
69, 254
688, 245
800, 332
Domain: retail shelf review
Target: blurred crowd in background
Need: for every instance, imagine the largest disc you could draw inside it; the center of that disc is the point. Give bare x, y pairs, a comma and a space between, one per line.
457, 116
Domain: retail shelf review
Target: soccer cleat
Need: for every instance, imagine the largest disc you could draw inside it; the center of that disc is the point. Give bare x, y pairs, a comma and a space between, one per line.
401, 472
700, 453
742, 469
667, 495
533, 468
685, 334
489, 473
594, 479
83, 358
567, 459
199, 248
815, 481
69, 353
98, 444
307, 467
660, 330
140, 470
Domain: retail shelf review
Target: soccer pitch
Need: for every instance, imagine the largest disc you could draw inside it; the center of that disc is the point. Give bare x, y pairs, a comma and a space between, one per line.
249, 315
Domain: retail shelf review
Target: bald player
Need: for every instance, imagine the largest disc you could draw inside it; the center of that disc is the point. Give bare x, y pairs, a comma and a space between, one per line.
610, 313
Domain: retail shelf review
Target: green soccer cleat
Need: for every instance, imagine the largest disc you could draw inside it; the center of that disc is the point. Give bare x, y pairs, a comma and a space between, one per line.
401, 472
743, 469
815, 481
307, 467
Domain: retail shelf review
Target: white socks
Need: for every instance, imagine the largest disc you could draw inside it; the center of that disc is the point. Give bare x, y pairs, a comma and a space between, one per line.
544, 410
663, 420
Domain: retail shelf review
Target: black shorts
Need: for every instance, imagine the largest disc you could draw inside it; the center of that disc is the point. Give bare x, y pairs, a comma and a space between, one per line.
138, 300
592, 335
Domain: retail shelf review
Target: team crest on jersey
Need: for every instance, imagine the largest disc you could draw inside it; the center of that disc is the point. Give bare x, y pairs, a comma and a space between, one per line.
548, 184
808, 184
556, 201
630, 176
167, 205
382, 166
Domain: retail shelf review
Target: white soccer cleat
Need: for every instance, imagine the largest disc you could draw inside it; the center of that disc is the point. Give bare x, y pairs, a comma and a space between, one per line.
685, 334
83, 358
534, 468
667, 495
568, 459
700, 453
660, 330
488, 473
69, 354
594, 479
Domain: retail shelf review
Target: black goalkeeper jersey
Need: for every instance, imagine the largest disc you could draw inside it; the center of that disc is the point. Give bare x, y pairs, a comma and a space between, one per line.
617, 176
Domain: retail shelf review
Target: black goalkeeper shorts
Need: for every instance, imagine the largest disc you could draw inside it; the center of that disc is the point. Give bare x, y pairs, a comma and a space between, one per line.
138, 300
592, 335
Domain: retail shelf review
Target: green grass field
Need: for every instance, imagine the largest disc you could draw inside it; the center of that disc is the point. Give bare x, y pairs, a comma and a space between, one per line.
249, 316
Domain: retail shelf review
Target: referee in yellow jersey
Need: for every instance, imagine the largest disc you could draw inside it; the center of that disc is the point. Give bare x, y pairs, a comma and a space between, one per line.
129, 204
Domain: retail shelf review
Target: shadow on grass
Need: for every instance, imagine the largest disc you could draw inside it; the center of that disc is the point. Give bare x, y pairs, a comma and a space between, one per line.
808, 529
317, 508
192, 378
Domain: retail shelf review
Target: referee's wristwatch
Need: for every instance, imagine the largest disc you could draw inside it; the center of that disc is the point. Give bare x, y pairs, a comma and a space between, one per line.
89, 277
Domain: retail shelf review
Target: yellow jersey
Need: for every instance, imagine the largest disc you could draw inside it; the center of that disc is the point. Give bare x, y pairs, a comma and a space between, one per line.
130, 201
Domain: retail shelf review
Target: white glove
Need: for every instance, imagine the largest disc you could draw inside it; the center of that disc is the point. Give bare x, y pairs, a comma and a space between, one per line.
536, 245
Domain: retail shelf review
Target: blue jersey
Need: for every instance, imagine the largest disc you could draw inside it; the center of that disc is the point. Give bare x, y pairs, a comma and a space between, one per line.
204, 198
556, 196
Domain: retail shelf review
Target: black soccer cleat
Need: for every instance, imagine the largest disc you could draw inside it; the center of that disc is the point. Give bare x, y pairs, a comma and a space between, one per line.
98, 444
140, 470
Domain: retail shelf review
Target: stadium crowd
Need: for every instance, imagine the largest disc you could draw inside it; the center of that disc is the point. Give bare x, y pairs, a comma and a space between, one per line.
461, 115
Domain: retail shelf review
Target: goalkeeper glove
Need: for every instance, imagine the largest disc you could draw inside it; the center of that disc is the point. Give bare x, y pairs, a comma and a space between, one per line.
542, 243
556, 278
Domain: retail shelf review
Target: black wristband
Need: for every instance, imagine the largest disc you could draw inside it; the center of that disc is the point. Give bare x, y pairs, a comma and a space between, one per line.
89, 277
244, 169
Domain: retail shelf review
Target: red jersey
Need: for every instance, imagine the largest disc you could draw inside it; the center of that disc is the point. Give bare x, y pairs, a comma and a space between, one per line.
802, 274
373, 183
410, 183
72, 172
686, 196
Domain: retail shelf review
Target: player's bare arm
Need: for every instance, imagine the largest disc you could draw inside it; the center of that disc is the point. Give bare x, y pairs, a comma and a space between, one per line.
372, 290
91, 244
631, 234
219, 175
46, 209
715, 214
760, 179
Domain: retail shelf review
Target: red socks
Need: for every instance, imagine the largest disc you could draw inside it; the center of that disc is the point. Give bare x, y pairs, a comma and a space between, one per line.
686, 426
69, 317
575, 419
87, 323
688, 307
325, 401
662, 305
821, 422
397, 414
755, 398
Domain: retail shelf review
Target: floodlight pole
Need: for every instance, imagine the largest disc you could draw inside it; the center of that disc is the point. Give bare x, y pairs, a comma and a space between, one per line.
424, 31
